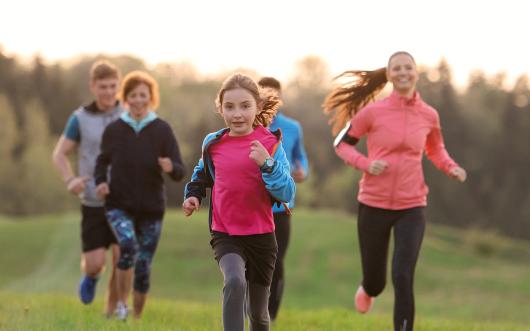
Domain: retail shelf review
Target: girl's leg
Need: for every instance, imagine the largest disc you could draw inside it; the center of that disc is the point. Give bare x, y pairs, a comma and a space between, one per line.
374, 226
233, 268
148, 237
408, 236
258, 311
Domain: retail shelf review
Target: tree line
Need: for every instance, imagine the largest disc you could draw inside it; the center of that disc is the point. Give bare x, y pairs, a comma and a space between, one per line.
486, 127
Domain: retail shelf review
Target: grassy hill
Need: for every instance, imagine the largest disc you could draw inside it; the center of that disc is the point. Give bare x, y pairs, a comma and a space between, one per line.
464, 281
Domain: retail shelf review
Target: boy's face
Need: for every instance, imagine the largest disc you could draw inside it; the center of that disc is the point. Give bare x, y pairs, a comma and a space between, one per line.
105, 90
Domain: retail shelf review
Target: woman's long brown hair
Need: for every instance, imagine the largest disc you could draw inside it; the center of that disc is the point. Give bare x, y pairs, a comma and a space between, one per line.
345, 101
361, 87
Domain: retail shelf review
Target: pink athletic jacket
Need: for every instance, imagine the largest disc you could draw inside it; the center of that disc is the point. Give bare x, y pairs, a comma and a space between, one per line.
398, 131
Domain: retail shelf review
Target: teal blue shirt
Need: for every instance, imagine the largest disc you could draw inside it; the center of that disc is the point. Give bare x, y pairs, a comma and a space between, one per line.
138, 125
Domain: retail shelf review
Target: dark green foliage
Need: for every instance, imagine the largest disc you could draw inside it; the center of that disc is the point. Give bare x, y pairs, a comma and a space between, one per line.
486, 128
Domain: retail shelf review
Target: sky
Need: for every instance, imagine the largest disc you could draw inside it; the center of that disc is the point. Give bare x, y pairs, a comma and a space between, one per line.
270, 36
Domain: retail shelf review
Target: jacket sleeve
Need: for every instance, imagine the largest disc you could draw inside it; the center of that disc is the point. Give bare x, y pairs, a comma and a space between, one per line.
104, 158
173, 152
436, 152
359, 126
200, 180
299, 153
279, 182
196, 187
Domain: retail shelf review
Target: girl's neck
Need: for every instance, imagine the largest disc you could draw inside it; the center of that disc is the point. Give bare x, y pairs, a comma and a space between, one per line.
231, 133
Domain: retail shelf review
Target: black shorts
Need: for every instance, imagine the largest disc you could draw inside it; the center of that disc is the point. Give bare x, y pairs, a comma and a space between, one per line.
95, 230
259, 252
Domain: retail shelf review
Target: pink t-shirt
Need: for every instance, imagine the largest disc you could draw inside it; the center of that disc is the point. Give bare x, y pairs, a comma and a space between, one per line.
399, 131
240, 202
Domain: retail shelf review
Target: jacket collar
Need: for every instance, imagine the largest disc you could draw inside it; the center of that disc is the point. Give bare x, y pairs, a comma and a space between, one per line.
400, 100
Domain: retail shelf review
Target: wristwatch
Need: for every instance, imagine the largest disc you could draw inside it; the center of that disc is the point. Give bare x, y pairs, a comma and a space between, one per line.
268, 165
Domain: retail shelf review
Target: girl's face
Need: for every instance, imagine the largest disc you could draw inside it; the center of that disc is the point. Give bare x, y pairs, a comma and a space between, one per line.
402, 73
239, 109
138, 100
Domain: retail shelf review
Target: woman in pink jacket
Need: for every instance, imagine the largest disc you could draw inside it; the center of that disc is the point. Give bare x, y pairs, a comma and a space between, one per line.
392, 193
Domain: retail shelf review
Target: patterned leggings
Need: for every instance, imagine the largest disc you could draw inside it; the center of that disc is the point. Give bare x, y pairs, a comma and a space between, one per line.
138, 239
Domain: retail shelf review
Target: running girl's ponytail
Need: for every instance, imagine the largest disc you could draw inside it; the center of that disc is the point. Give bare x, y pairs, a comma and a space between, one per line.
269, 107
346, 100
270, 103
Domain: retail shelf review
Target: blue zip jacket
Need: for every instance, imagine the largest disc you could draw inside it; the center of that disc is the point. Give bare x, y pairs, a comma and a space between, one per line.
279, 182
293, 144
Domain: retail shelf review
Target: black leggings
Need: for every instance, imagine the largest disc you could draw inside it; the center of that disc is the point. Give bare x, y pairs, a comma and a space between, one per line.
282, 222
374, 227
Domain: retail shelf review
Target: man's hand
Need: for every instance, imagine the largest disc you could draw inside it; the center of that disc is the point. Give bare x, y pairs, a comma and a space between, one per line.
76, 185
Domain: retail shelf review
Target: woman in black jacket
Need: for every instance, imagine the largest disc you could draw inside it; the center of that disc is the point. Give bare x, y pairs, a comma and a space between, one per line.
139, 147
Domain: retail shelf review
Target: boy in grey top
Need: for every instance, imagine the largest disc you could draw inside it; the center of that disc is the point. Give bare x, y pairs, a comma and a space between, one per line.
82, 135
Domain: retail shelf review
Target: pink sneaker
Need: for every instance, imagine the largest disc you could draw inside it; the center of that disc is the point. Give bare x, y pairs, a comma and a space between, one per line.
363, 302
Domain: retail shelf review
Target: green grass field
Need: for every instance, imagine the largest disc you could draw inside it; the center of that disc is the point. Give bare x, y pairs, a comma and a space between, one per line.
464, 281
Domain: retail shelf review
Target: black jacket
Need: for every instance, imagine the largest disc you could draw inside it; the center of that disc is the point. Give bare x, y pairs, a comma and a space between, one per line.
136, 183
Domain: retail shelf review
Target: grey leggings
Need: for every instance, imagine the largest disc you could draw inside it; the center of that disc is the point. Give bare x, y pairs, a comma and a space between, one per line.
234, 291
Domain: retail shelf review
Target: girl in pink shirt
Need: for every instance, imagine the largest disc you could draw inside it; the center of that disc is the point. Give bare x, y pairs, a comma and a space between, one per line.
247, 170
392, 192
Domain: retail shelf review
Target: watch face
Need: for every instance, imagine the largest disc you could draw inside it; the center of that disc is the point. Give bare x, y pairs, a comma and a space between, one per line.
269, 162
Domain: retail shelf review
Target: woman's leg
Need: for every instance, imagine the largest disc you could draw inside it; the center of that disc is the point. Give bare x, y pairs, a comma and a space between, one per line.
408, 236
148, 237
374, 226
123, 227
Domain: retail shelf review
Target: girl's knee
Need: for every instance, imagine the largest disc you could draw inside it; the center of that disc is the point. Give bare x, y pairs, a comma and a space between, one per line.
235, 283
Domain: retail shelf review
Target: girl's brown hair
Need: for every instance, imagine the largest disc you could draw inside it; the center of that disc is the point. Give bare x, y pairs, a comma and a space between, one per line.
135, 78
361, 87
267, 103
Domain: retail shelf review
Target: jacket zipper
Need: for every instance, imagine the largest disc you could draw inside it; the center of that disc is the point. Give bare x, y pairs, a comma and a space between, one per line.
400, 153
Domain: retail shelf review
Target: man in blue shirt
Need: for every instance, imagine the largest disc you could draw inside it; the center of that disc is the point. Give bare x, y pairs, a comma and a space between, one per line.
293, 144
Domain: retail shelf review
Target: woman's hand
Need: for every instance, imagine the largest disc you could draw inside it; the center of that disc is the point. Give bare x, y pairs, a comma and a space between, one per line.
190, 205
458, 173
258, 153
166, 164
377, 167
102, 190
